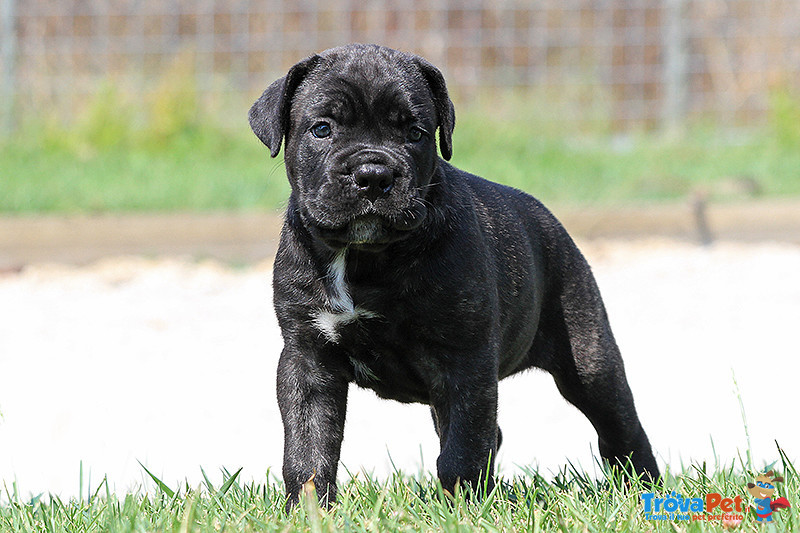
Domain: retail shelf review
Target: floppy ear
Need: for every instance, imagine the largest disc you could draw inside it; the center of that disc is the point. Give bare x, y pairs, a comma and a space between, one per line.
778, 479
445, 111
269, 116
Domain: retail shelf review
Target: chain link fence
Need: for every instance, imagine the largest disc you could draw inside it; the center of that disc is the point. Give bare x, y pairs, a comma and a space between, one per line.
642, 63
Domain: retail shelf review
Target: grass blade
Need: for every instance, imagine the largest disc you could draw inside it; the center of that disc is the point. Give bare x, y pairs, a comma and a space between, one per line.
210, 486
161, 485
229, 482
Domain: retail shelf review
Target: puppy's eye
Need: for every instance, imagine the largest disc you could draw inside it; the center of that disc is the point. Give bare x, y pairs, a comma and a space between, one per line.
321, 130
415, 134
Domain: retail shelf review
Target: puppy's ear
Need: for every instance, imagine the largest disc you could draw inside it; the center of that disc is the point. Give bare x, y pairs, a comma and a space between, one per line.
445, 111
269, 116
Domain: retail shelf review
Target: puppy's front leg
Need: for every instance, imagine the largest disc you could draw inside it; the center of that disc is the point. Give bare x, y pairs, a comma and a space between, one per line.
313, 403
465, 414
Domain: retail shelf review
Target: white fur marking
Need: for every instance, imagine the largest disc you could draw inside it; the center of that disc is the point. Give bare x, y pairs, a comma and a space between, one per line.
340, 300
326, 322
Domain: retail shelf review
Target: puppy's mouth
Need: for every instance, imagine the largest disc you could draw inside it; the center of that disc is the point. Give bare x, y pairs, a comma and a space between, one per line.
372, 232
369, 232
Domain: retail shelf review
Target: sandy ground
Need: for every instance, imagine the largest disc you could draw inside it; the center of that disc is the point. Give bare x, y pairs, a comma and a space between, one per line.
171, 362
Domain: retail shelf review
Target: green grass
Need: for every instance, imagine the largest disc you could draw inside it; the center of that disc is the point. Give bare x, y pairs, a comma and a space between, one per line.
644, 169
570, 501
168, 152
197, 172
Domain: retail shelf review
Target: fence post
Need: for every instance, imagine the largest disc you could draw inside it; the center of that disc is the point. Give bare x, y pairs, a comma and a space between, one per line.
8, 60
676, 65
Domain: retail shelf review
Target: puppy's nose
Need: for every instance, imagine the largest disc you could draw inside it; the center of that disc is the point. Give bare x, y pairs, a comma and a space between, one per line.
373, 180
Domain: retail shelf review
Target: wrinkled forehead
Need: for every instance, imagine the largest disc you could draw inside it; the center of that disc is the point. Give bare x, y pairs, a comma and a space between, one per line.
352, 88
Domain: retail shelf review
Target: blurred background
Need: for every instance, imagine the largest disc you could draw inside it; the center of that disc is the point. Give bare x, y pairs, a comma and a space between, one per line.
141, 105
633, 63
663, 133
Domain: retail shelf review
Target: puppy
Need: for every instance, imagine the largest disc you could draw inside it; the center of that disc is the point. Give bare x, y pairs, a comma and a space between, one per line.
420, 281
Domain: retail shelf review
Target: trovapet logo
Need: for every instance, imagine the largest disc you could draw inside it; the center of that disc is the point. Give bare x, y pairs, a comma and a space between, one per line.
713, 506
675, 507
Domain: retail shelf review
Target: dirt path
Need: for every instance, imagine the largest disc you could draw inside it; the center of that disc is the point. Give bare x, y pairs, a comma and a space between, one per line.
251, 237
171, 362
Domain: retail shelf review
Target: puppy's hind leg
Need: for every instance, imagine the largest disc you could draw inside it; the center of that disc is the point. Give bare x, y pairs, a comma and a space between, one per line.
576, 346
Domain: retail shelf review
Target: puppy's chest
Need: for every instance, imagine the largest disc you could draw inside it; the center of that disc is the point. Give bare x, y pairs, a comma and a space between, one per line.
381, 352
366, 319
376, 331
339, 314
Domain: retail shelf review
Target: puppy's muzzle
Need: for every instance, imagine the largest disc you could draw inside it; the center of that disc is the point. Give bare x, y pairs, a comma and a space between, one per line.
368, 202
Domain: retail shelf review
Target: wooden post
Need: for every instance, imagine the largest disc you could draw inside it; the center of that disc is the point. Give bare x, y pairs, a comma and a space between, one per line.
676, 65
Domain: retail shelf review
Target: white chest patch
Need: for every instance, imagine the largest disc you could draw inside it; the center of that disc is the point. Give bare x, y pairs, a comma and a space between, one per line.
342, 311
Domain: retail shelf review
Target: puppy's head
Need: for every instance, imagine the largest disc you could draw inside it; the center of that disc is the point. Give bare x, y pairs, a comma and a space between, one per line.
359, 125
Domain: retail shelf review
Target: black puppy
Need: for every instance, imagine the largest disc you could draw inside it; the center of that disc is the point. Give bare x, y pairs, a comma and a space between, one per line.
416, 279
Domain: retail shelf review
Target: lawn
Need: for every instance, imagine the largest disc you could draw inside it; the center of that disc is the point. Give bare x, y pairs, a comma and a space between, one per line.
571, 501
113, 159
